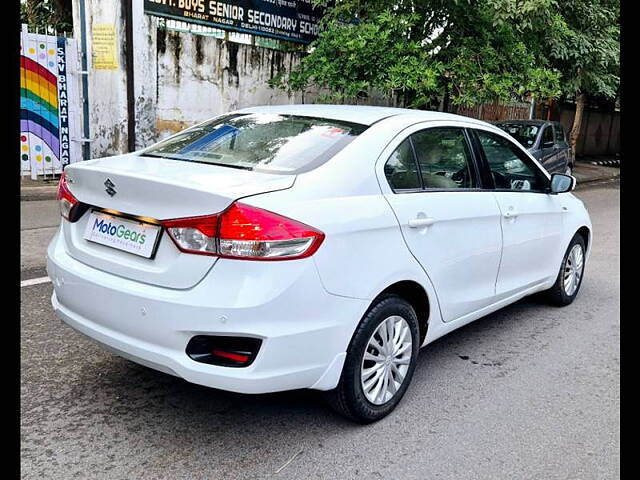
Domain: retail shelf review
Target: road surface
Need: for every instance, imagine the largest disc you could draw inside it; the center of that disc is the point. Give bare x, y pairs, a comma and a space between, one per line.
529, 392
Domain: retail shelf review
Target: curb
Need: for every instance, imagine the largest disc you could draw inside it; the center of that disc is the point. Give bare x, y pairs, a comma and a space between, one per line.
608, 163
592, 182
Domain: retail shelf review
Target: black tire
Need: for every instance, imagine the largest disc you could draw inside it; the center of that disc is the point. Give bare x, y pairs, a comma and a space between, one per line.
557, 294
348, 398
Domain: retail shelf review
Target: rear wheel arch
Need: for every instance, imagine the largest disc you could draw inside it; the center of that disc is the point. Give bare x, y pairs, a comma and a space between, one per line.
415, 294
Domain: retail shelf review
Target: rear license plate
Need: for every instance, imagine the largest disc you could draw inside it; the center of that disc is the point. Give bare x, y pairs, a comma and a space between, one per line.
130, 236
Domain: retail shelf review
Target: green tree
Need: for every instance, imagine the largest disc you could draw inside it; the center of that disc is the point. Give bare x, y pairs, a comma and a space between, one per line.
41, 15
430, 52
587, 53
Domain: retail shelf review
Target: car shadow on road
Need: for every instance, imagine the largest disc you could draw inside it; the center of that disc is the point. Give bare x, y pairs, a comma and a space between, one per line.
158, 397
186, 423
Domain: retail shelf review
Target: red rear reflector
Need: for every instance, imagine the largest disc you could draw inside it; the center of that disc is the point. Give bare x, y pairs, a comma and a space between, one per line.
236, 357
223, 351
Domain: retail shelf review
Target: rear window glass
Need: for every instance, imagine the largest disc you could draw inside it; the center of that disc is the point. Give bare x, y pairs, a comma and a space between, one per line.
525, 134
270, 143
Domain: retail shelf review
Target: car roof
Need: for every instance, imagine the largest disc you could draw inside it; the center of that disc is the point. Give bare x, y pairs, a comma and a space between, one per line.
362, 114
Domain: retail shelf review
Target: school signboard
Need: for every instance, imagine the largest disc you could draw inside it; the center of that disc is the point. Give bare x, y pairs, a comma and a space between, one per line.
293, 20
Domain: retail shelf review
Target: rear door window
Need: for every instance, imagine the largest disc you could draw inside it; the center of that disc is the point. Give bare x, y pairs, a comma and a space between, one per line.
444, 158
272, 143
525, 134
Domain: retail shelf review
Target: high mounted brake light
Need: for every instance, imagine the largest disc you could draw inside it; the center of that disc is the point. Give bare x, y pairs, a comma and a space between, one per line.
245, 232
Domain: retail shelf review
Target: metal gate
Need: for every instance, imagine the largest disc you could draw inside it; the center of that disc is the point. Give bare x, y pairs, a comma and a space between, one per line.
50, 135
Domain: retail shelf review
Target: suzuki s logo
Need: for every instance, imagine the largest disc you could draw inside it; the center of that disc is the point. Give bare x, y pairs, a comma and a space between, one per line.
111, 190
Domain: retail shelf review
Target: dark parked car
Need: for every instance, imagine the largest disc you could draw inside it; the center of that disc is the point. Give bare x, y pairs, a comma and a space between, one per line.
546, 141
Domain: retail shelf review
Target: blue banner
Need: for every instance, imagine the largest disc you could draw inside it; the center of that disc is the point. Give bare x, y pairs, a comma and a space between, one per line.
63, 103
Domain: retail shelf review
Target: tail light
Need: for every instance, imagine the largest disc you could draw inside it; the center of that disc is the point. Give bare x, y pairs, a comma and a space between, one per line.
68, 203
245, 232
195, 234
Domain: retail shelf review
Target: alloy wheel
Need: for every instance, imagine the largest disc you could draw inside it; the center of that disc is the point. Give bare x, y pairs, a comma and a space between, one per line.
573, 270
386, 360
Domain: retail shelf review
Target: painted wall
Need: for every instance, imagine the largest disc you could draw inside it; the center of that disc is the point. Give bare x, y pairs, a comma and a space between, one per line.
179, 79
49, 104
195, 77
39, 119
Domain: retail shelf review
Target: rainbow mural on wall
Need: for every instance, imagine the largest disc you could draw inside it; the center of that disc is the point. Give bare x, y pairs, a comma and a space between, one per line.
38, 113
47, 103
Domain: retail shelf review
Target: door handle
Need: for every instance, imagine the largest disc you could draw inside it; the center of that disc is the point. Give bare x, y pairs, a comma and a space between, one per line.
421, 222
510, 214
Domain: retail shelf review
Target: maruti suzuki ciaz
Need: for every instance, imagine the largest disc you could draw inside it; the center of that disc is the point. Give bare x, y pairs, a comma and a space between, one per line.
310, 246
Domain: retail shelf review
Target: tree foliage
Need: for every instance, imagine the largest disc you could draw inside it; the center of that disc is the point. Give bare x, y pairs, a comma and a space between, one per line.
424, 52
587, 51
47, 15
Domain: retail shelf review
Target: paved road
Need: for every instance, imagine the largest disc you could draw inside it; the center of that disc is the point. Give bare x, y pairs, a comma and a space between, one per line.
38, 223
529, 392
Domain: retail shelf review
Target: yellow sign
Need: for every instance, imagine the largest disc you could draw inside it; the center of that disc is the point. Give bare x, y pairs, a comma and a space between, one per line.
104, 49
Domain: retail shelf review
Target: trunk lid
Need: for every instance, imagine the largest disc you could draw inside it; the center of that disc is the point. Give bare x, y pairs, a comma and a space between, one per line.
156, 189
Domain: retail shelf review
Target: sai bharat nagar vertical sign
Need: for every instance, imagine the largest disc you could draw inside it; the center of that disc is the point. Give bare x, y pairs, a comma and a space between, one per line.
293, 20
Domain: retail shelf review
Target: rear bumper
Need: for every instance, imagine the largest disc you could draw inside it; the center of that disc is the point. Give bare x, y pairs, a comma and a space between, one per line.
305, 331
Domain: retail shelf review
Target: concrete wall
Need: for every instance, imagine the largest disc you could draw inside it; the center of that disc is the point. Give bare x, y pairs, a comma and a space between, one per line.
179, 79
107, 88
199, 77
599, 132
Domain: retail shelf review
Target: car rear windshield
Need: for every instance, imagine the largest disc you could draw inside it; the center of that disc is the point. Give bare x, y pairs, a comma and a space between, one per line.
270, 143
524, 134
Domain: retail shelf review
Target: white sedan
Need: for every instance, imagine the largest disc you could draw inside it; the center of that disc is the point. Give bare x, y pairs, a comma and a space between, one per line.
310, 246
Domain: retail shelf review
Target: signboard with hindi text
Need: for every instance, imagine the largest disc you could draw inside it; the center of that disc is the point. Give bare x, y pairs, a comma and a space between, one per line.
292, 20
104, 46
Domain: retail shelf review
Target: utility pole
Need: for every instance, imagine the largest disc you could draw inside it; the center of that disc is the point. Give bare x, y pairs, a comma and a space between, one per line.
86, 138
131, 96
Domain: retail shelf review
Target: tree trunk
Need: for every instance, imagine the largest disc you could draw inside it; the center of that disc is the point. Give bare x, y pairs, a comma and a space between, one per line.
581, 99
446, 100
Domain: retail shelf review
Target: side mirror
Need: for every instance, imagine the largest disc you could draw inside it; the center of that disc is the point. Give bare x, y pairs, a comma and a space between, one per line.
561, 183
